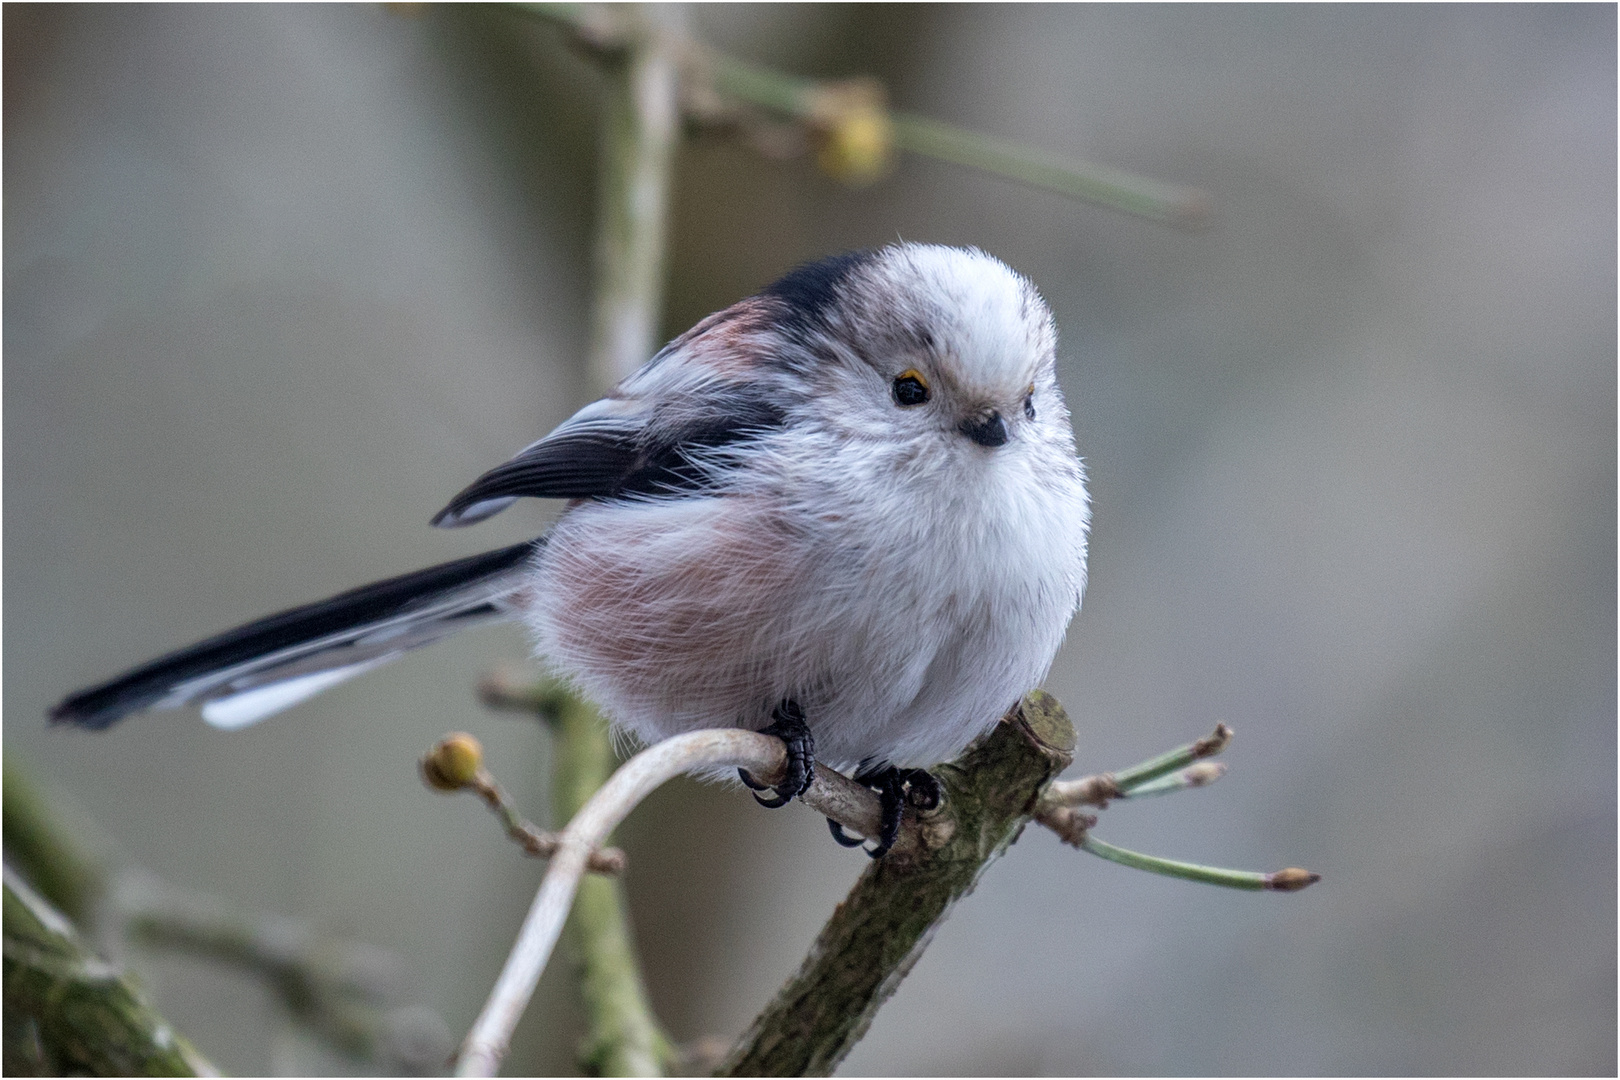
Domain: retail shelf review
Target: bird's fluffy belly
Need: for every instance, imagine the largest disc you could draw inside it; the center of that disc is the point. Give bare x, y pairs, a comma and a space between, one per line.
707, 612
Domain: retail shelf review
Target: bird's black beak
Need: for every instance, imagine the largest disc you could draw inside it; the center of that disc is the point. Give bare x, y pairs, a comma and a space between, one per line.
986, 429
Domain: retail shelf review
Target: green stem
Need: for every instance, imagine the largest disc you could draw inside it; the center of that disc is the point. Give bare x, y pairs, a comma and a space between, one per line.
1290, 880
1081, 180
1171, 760
787, 95
1202, 774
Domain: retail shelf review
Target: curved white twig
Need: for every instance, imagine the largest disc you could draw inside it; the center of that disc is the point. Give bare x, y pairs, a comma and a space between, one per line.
764, 756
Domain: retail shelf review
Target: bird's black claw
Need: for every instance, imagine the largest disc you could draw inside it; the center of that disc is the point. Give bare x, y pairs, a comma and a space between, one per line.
787, 724
922, 789
843, 837
892, 798
895, 788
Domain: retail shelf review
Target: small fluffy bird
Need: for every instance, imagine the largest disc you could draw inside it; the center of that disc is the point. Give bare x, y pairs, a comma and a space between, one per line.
846, 511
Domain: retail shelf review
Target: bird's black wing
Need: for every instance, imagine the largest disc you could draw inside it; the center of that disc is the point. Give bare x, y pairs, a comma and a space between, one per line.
606, 459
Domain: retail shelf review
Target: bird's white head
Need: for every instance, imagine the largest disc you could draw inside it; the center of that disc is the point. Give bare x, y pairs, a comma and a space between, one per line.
925, 345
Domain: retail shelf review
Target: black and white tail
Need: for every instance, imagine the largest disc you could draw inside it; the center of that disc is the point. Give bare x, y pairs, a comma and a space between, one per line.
254, 671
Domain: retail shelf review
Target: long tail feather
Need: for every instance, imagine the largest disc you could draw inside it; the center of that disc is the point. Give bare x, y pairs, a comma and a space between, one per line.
246, 674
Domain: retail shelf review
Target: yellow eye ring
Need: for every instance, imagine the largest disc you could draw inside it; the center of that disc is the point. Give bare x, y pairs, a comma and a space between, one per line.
910, 388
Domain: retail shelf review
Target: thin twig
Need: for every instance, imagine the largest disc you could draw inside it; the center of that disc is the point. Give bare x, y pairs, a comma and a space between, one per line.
456, 763
1202, 774
1290, 880
1174, 770
1184, 207
763, 756
533, 839
1099, 789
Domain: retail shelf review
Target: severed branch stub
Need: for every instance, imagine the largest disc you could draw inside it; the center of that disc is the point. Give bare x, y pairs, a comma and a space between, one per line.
455, 763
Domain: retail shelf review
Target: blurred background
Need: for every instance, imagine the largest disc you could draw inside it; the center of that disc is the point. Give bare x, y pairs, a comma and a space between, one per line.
279, 280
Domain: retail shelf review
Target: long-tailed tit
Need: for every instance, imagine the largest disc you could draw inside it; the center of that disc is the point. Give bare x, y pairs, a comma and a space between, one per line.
846, 511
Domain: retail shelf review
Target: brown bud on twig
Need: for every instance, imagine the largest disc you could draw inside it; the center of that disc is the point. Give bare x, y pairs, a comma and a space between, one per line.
1070, 824
1202, 774
1210, 745
1292, 879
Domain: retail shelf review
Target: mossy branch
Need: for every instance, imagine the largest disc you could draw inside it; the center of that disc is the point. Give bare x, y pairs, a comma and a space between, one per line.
59, 865
69, 1012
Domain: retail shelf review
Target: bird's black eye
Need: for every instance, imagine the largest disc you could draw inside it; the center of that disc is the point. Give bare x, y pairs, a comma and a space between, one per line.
910, 388
1029, 404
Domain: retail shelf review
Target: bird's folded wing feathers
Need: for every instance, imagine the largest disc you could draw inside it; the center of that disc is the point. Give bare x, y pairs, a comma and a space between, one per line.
611, 450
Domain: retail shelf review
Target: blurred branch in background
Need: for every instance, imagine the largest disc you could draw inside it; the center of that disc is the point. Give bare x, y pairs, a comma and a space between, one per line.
855, 133
351, 996
623, 1037
68, 1012
640, 126
346, 993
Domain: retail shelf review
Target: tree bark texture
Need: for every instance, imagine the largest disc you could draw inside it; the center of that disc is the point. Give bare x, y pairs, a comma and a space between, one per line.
878, 932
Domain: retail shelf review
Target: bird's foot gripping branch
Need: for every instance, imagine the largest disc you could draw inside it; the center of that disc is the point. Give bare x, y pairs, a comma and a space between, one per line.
999, 784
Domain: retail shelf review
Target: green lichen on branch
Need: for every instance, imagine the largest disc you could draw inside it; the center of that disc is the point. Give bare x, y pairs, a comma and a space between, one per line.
67, 1012
882, 927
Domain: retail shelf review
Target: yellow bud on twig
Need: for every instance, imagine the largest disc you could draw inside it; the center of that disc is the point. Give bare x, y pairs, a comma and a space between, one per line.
453, 763
854, 132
